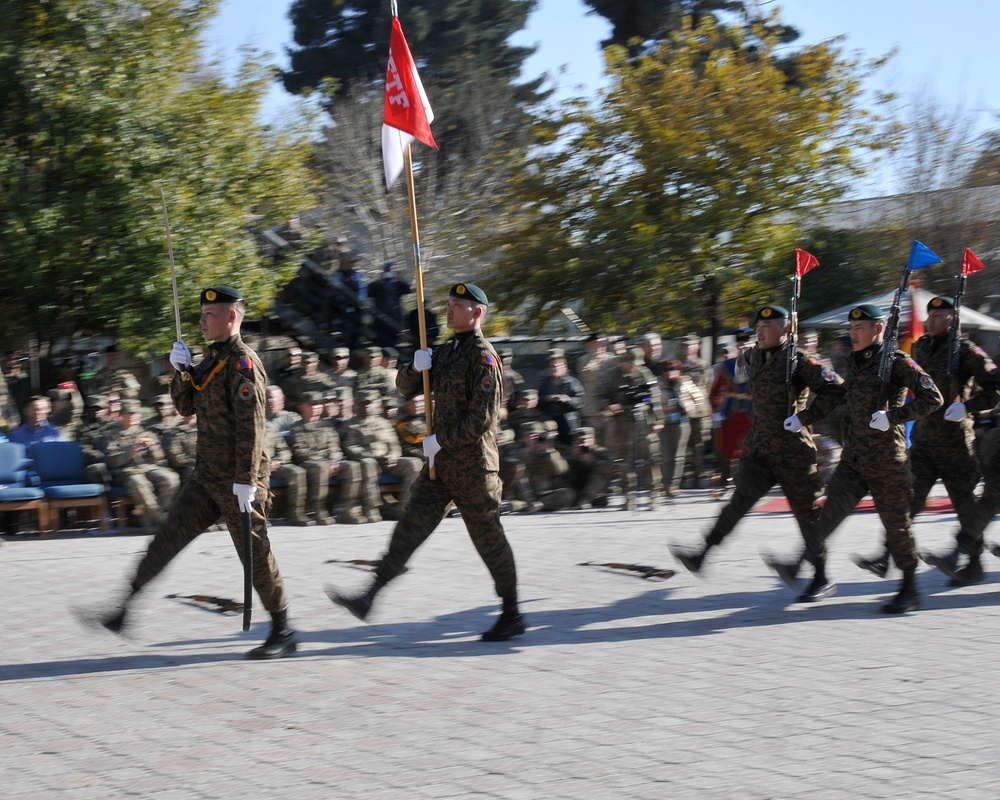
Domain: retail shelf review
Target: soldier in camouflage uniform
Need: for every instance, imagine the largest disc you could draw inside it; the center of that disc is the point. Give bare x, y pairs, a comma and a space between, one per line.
133, 455
943, 443
466, 379
372, 374
309, 379
91, 434
591, 468
316, 448
370, 440
874, 460
180, 443
411, 426
340, 372
166, 416
635, 417
230, 479
778, 448
541, 485
112, 379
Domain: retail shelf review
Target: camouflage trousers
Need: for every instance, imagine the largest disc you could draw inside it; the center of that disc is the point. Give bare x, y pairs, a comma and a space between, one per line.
638, 453
349, 479
405, 469
957, 467
795, 472
197, 506
891, 486
477, 496
293, 478
152, 488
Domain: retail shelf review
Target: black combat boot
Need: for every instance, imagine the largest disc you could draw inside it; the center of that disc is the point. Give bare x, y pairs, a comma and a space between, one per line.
907, 598
879, 565
359, 605
692, 561
112, 619
948, 563
509, 624
788, 571
280, 643
820, 588
969, 574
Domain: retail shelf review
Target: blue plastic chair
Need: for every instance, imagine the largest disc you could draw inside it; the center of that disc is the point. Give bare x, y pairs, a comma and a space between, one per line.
60, 470
15, 493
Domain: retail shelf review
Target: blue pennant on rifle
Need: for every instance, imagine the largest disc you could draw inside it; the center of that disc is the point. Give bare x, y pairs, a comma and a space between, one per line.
921, 256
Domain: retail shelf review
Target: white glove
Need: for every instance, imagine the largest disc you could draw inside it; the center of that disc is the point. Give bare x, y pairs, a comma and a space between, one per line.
955, 412
431, 447
245, 494
793, 424
422, 359
880, 421
180, 356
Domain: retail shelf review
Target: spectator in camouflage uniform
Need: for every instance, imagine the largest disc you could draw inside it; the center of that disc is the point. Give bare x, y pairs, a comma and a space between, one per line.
943, 443
91, 434
133, 455
371, 440
111, 378
590, 371
287, 475
874, 460
635, 417
372, 374
591, 468
340, 372
231, 474
180, 443
279, 417
316, 448
411, 426
166, 416
779, 446
309, 379
466, 379
541, 486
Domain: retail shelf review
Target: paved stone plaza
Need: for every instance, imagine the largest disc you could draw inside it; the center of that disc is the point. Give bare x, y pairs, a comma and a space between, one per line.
623, 687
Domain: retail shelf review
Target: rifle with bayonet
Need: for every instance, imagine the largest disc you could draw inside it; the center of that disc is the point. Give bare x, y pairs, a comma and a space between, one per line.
804, 261
970, 264
920, 256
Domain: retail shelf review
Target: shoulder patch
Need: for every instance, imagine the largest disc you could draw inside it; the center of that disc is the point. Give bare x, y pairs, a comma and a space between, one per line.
488, 360
926, 381
245, 391
829, 375
814, 360
487, 384
979, 351
244, 363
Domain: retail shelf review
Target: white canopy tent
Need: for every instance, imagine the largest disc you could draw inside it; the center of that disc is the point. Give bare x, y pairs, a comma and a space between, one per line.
837, 318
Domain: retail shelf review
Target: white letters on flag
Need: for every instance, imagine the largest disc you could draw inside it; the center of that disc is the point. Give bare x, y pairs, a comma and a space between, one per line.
407, 114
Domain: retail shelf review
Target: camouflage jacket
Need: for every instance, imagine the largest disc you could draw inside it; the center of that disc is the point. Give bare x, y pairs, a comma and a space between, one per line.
371, 437
466, 385
226, 391
863, 393
118, 448
314, 441
180, 443
974, 366
767, 370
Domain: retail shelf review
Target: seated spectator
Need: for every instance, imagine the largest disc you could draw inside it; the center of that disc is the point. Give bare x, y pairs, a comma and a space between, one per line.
411, 426
276, 414
591, 468
560, 398
91, 434
316, 448
178, 443
133, 455
36, 427
371, 440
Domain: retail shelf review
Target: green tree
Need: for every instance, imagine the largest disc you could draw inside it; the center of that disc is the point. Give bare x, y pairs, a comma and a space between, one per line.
103, 103
697, 164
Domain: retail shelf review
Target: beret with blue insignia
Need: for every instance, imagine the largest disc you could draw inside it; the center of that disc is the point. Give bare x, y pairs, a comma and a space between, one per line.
469, 291
866, 311
771, 312
940, 302
220, 294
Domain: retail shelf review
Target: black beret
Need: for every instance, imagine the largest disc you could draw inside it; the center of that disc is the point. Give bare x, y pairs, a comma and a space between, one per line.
866, 311
311, 397
771, 312
743, 334
941, 303
469, 291
220, 294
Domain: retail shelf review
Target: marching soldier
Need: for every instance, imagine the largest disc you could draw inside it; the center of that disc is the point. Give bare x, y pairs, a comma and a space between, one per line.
231, 474
778, 448
874, 459
466, 379
943, 443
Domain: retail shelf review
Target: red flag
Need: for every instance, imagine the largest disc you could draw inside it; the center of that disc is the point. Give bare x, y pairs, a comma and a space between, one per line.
970, 263
804, 261
407, 113
913, 327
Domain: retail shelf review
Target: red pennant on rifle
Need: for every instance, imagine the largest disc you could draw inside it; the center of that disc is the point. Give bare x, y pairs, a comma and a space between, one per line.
970, 263
804, 261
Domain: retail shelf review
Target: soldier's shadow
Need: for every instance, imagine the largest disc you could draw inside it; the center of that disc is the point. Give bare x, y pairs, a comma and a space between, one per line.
645, 616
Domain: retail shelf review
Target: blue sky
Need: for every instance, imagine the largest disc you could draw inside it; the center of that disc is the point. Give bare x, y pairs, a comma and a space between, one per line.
947, 50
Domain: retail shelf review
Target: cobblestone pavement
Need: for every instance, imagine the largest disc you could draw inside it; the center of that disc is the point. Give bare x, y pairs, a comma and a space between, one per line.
623, 687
